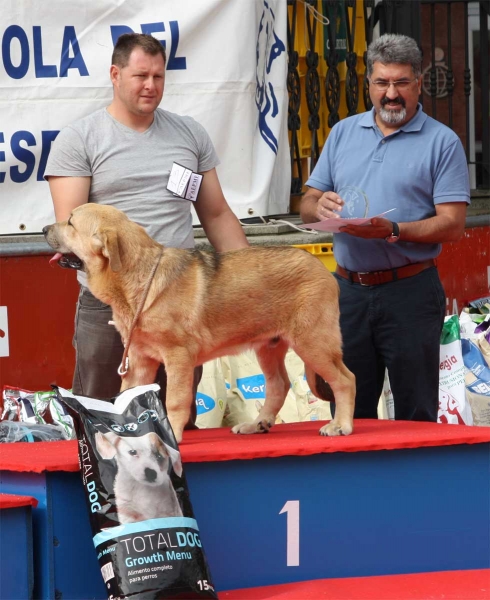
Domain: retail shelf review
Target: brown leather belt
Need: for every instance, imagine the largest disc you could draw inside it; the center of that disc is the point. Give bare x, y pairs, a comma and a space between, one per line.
380, 277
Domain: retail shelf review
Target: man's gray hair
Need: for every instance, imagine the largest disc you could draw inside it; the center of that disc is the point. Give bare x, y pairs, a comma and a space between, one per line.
393, 48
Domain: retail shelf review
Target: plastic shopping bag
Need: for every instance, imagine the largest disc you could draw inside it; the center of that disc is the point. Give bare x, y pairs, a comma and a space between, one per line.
453, 404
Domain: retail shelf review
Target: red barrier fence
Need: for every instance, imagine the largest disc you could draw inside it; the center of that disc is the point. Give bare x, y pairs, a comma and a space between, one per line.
40, 303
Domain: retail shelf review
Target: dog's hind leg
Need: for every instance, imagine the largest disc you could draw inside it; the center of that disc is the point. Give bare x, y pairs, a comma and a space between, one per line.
342, 382
271, 360
320, 360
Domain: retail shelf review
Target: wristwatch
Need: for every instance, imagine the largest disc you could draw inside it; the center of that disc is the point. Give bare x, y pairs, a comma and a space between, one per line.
395, 234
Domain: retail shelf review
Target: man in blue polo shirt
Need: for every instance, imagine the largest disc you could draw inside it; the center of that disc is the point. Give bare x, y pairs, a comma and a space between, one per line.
391, 299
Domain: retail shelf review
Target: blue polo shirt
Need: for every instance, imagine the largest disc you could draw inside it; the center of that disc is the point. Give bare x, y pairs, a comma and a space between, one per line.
413, 169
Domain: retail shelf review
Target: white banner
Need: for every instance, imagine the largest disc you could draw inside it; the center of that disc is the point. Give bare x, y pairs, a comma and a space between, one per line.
226, 67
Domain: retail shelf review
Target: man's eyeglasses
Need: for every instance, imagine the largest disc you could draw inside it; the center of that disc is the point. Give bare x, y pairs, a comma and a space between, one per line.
383, 86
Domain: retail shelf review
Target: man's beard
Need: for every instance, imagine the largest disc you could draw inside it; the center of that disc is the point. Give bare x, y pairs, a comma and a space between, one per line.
392, 117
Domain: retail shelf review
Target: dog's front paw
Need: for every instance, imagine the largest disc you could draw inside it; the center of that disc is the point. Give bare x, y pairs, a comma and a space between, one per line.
261, 426
334, 429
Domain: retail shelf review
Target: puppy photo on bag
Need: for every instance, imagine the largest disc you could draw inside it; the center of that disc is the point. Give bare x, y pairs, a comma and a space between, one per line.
142, 486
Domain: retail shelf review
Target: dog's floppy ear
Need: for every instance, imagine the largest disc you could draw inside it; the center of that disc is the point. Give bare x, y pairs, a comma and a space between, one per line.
175, 459
105, 444
173, 454
106, 241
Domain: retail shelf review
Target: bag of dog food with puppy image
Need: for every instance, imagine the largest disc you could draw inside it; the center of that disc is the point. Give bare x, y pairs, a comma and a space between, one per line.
145, 535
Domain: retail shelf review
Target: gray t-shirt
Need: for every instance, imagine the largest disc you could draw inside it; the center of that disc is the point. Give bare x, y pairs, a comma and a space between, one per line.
130, 170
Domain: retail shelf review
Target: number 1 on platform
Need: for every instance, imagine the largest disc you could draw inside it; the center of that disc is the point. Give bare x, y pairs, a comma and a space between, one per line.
292, 509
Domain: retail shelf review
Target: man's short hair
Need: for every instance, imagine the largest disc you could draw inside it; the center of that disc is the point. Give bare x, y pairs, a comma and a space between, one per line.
393, 48
127, 42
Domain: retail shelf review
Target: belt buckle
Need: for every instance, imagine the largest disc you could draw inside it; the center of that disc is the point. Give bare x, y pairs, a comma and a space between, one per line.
359, 275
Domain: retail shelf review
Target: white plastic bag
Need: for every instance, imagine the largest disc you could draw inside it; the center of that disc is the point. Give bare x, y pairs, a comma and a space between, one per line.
453, 405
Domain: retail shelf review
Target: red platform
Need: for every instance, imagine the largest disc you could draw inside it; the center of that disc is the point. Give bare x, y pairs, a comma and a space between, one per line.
16, 501
448, 470
445, 585
291, 439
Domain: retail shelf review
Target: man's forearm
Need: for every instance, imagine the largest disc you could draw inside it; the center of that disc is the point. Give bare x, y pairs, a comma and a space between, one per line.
67, 193
225, 233
308, 208
435, 230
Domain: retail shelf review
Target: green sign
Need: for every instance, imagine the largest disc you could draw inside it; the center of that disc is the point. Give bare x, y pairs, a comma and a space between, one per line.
340, 28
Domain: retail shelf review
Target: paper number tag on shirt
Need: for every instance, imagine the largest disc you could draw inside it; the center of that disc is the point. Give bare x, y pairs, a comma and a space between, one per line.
184, 183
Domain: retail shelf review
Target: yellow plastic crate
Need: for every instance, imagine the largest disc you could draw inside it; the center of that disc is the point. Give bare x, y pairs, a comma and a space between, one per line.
322, 251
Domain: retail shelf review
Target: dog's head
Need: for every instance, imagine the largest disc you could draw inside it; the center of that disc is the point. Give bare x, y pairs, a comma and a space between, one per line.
91, 235
146, 458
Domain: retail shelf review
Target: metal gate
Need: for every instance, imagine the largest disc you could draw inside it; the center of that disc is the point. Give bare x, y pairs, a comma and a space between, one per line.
327, 42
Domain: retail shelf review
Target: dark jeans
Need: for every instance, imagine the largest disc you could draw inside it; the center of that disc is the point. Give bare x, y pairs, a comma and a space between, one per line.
99, 351
395, 325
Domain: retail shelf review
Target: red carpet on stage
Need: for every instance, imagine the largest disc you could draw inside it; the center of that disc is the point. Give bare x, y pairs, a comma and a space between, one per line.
303, 439
445, 585
291, 439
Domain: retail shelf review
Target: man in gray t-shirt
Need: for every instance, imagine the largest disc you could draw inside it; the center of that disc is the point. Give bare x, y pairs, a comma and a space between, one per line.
122, 155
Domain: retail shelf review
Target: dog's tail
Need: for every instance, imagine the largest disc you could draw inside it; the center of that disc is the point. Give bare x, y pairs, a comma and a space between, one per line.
319, 387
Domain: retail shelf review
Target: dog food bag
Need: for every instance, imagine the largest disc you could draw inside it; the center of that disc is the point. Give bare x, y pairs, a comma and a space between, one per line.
246, 394
306, 406
36, 408
211, 397
145, 535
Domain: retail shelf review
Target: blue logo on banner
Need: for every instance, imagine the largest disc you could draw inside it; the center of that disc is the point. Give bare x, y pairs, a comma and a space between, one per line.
269, 47
252, 387
204, 403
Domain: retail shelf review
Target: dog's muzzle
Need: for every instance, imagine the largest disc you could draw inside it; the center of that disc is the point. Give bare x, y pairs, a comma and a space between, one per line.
70, 261
67, 261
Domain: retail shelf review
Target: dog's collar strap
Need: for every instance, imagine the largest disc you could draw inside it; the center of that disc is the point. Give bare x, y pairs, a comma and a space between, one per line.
124, 366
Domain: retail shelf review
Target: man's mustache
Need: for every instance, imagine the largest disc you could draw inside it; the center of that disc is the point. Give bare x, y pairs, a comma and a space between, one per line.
397, 100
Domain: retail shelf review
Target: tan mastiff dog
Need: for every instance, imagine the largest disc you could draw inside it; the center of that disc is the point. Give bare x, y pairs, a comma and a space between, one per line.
202, 305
